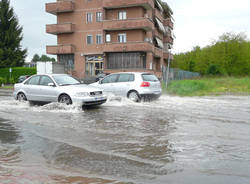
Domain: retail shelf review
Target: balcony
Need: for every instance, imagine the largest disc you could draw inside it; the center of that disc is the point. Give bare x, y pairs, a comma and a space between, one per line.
166, 55
128, 47
60, 7
110, 4
168, 39
60, 28
159, 15
141, 23
158, 52
60, 49
168, 22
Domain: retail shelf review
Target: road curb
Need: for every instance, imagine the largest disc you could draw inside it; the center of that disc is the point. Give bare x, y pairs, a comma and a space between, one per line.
6, 92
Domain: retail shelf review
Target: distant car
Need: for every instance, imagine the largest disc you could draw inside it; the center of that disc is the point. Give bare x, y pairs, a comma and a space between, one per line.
60, 88
22, 78
134, 85
101, 76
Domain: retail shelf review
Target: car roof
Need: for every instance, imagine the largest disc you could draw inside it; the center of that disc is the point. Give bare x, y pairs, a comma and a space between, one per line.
51, 75
133, 73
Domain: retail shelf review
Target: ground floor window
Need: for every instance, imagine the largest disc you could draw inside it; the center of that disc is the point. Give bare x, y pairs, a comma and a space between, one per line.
128, 60
67, 60
94, 65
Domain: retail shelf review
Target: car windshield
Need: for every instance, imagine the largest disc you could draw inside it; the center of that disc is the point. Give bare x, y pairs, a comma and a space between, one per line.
65, 80
149, 77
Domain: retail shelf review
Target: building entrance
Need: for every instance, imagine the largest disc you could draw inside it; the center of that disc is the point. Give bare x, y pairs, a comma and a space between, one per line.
94, 65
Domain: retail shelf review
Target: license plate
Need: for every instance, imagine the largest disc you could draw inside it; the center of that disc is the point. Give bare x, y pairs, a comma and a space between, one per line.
98, 98
157, 92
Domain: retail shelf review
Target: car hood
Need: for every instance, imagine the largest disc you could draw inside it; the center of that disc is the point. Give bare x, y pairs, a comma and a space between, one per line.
95, 84
79, 88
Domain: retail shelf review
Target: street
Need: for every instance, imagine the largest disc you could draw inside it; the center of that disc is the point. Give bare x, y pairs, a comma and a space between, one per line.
176, 140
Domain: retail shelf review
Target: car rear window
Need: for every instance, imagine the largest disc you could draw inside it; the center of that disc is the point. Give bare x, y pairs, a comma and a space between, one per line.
33, 80
149, 77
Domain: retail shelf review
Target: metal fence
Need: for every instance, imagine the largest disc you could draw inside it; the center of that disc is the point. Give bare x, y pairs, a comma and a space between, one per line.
177, 74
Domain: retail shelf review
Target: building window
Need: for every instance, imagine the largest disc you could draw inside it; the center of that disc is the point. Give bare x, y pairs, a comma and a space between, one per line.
98, 16
89, 39
89, 17
108, 38
99, 39
122, 15
122, 38
68, 61
126, 60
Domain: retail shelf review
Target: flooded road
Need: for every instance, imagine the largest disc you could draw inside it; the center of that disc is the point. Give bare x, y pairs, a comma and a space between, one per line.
173, 140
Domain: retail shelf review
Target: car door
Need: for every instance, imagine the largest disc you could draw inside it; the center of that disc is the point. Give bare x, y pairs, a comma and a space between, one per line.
48, 92
124, 83
108, 83
31, 88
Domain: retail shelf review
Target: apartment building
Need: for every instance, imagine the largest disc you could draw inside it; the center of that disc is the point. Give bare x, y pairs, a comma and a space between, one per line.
108, 36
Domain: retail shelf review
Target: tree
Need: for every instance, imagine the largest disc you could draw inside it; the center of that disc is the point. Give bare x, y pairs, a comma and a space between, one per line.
229, 55
44, 58
11, 53
35, 58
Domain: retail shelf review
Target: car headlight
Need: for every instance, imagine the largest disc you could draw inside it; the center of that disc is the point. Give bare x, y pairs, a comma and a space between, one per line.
82, 94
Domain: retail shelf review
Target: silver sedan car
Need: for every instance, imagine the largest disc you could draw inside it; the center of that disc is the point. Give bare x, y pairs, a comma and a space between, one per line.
60, 88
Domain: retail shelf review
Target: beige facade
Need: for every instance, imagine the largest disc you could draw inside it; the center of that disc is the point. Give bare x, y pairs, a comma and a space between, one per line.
110, 35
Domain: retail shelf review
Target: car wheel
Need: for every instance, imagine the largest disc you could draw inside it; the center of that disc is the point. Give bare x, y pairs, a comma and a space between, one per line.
65, 99
134, 96
21, 97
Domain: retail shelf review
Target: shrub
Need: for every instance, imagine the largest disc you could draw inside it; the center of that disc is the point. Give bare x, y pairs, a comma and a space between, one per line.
15, 74
2, 81
214, 70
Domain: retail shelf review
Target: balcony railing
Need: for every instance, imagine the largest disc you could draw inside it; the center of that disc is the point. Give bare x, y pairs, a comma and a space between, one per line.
109, 4
166, 55
128, 47
159, 15
168, 39
141, 23
60, 49
60, 7
60, 28
158, 52
168, 22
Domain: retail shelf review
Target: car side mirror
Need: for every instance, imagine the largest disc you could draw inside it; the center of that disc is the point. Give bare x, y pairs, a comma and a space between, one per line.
51, 84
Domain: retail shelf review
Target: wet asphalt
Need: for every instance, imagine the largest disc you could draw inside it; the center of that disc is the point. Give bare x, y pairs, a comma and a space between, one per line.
179, 140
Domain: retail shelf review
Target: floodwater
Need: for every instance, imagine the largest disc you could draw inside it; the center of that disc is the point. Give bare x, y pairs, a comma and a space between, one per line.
172, 140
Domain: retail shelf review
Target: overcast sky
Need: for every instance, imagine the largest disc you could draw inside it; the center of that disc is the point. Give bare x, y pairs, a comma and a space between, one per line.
197, 22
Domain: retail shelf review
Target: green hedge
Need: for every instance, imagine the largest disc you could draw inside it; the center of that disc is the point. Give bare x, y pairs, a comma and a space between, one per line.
2, 81
15, 74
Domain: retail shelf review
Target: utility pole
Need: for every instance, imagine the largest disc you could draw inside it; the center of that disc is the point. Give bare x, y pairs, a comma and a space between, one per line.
168, 69
10, 71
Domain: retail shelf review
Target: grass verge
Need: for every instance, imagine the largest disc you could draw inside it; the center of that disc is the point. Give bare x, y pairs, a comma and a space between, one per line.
210, 86
6, 87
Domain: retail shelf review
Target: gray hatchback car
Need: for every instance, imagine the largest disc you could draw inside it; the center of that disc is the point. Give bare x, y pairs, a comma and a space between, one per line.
134, 85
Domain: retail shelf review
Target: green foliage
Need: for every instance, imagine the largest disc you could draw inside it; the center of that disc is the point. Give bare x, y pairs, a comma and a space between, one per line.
228, 56
210, 86
213, 70
15, 74
11, 54
37, 58
2, 81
